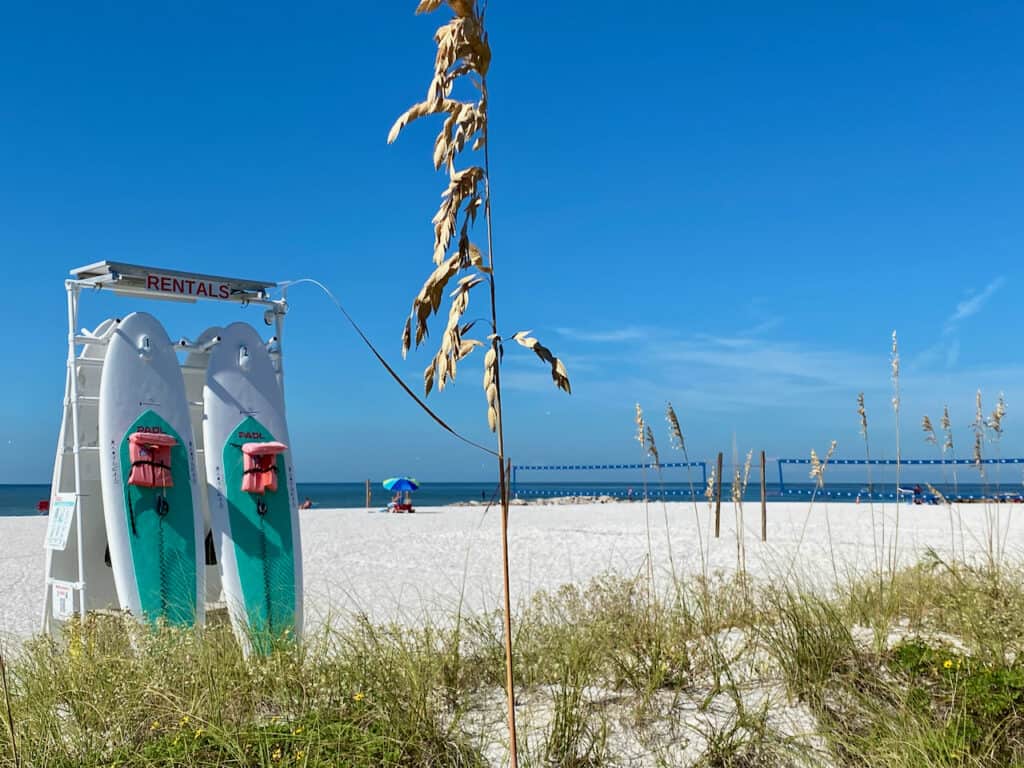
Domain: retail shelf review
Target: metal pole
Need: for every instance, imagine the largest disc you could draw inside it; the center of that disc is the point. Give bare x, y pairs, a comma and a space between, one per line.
58, 464
73, 293
782, 485
764, 501
280, 308
718, 498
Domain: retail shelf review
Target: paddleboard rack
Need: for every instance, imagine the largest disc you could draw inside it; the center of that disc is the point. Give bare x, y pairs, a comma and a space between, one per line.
140, 282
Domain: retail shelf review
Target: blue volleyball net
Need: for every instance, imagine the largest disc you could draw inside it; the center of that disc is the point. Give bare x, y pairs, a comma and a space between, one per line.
917, 480
675, 480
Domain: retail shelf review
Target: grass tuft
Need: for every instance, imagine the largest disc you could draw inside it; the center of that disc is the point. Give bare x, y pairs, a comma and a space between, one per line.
921, 668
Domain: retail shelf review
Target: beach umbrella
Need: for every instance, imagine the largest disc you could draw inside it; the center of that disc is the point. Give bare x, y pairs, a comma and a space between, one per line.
401, 484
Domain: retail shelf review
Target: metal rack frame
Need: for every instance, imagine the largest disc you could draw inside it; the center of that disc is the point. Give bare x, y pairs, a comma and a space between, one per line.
151, 283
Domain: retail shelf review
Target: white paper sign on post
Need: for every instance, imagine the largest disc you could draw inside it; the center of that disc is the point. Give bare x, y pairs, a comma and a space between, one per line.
62, 513
63, 600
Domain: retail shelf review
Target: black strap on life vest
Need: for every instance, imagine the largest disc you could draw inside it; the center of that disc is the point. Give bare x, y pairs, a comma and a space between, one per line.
150, 463
257, 470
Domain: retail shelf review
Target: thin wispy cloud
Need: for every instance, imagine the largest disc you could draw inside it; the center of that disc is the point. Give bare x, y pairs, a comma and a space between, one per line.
768, 324
719, 372
974, 304
753, 368
628, 333
790, 361
946, 350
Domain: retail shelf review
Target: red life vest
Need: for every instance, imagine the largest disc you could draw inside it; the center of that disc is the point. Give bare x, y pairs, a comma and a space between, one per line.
150, 454
260, 471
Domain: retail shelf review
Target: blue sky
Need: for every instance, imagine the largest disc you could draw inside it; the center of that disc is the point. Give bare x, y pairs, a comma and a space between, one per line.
730, 206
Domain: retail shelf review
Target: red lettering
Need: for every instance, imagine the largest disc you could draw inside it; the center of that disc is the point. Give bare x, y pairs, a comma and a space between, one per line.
188, 287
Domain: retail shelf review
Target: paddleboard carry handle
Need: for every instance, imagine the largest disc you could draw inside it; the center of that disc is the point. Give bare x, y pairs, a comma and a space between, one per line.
204, 346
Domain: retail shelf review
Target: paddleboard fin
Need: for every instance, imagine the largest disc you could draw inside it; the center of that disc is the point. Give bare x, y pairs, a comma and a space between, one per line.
211, 550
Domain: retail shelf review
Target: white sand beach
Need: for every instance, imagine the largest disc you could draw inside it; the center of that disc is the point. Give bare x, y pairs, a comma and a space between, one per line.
392, 566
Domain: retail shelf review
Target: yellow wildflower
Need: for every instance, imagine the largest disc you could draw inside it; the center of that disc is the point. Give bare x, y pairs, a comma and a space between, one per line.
154, 725
359, 696
947, 664
276, 754
297, 731
199, 732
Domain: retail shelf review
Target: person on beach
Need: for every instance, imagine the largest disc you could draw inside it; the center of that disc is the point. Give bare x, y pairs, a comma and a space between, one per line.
306, 504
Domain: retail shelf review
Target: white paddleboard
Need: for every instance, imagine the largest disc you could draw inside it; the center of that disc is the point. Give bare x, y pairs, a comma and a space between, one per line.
150, 492
256, 533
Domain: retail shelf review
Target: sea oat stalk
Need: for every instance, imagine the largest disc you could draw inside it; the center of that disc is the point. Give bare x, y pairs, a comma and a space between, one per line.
463, 58
948, 449
678, 442
817, 473
862, 413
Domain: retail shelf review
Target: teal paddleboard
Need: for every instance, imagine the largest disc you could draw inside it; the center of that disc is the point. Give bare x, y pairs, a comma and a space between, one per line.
261, 533
161, 527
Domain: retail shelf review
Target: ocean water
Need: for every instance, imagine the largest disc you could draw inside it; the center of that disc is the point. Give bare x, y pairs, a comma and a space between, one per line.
22, 499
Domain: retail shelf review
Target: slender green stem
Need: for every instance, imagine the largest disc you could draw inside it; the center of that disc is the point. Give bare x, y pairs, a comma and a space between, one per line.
503, 469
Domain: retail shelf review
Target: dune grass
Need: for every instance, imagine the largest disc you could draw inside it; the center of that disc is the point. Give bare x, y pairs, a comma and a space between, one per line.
610, 673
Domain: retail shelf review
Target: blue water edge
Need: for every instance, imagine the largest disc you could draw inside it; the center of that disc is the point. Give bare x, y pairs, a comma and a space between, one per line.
19, 500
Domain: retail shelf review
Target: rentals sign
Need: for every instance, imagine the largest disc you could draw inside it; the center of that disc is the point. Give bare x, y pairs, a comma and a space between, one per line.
180, 285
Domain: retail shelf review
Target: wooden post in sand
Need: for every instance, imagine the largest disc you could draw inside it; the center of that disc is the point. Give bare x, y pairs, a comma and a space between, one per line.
764, 502
718, 497
369, 494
